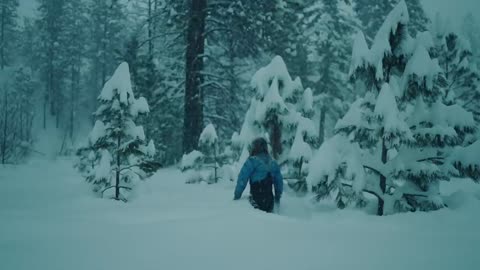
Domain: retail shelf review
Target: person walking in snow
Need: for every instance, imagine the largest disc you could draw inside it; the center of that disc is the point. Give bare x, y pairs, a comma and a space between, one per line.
263, 173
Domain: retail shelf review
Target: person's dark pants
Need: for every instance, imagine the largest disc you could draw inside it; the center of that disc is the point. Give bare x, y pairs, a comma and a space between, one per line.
261, 195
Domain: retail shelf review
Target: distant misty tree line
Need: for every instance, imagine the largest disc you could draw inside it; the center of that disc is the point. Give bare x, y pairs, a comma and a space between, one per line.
192, 61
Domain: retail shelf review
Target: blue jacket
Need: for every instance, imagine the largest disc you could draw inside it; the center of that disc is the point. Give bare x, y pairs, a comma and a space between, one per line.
255, 169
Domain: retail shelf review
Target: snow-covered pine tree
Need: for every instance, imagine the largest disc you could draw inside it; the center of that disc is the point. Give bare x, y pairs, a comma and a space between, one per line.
466, 161
329, 27
167, 85
460, 69
146, 82
234, 41
372, 13
302, 147
236, 31
153, 52
224, 100
280, 25
117, 155
208, 144
418, 18
281, 111
191, 164
392, 143
206, 164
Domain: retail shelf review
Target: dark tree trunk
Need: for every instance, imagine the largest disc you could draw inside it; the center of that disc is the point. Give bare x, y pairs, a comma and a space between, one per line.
72, 103
276, 137
57, 110
321, 131
383, 182
104, 50
155, 16
45, 105
117, 174
150, 28
5, 123
51, 93
193, 121
2, 39
96, 87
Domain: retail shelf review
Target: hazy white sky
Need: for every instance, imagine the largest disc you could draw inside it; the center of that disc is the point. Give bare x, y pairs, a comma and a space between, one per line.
452, 9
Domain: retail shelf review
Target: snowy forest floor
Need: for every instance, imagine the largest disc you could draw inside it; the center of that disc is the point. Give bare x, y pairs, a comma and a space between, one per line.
49, 220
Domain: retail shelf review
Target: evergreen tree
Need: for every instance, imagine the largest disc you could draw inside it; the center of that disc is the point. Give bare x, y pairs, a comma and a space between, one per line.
460, 70
145, 79
399, 132
16, 116
204, 164
155, 51
224, 99
140, 51
117, 155
8, 31
418, 19
330, 26
74, 61
24, 86
107, 35
59, 42
50, 29
281, 110
233, 43
29, 45
281, 25
372, 13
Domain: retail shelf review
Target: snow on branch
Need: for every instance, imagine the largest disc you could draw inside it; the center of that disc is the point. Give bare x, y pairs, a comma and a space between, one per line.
208, 136
360, 53
334, 154
120, 84
467, 160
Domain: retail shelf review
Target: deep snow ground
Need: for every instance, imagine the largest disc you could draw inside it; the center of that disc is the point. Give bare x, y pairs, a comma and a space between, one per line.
49, 220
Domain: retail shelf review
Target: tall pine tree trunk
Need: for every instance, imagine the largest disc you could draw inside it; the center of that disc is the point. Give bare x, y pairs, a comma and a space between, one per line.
45, 105
150, 28
2, 38
51, 93
193, 121
5, 123
72, 102
58, 100
383, 182
96, 87
117, 173
104, 50
321, 131
155, 16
